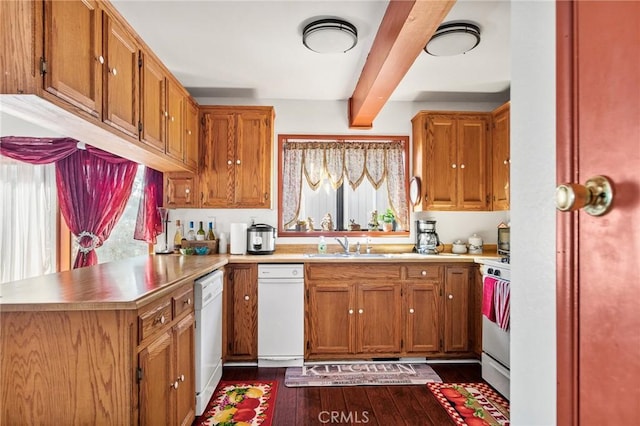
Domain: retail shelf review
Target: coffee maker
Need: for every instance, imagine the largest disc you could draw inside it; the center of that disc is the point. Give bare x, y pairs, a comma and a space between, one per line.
427, 241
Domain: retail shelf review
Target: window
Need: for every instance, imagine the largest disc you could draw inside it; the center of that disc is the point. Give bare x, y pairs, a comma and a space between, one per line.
121, 244
340, 184
28, 213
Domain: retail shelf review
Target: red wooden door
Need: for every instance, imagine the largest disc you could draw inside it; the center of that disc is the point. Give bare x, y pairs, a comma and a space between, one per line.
598, 64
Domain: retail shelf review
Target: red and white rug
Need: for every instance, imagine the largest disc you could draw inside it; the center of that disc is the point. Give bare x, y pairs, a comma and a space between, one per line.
472, 404
249, 403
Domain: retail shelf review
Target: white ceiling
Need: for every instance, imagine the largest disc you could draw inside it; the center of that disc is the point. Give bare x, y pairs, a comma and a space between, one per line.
253, 49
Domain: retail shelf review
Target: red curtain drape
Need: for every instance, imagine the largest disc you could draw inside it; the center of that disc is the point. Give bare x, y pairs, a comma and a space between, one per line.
149, 222
93, 186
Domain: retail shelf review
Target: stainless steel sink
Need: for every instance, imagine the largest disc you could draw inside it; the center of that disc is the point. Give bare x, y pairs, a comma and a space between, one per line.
348, 256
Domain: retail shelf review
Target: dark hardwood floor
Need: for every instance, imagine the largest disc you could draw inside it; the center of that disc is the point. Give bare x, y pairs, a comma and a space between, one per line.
358, 405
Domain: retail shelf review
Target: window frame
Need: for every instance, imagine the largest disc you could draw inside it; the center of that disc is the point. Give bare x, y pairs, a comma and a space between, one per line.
354, 137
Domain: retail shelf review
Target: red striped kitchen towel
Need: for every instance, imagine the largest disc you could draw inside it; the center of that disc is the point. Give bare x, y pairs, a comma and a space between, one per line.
502, 296
488, 288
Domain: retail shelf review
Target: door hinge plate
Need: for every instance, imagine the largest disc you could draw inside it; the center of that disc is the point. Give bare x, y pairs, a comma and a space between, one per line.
139, 374
43, 66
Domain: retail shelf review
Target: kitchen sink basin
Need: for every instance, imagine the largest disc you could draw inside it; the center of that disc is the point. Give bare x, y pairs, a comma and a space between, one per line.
347, 256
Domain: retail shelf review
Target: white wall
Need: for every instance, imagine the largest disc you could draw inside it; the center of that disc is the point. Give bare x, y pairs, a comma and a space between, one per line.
533, 301
330, 117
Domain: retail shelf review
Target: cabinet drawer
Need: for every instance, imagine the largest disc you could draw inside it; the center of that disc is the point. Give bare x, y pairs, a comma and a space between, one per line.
182, 301
154, 319
360, 272
426, 272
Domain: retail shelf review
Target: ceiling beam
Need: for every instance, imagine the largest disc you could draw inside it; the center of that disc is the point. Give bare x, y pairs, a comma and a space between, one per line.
403, 33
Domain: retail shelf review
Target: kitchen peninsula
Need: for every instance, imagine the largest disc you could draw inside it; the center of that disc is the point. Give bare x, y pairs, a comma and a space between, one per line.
103, 344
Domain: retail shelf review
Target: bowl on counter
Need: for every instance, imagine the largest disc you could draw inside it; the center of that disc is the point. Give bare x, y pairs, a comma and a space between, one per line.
202, 250
187, 251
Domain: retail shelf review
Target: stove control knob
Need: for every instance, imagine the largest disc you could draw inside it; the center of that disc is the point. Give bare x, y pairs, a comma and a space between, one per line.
490, 271
497, 272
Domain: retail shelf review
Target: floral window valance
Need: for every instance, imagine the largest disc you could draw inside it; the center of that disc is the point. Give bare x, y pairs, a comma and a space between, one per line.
378, 161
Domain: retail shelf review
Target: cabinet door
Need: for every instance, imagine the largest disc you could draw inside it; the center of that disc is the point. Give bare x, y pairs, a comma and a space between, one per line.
242, 312
441, 163
472, 163
180, 189
185, 371
252, 162
121, 81
157, 387
152, 108
500, 157
217, 155
330, 328
191, 134
456, 309
175, 107
73, 53
422, 317
379, 318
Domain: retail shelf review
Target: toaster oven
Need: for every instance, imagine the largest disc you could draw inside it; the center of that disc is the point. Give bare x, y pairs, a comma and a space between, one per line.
504, 241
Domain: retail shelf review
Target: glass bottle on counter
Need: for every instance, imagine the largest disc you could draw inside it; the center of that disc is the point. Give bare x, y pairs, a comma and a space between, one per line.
210, 234
191, 235
200, 235
177, 237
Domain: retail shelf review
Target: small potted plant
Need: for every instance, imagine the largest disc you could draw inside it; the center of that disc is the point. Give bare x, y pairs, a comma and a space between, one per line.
387, 218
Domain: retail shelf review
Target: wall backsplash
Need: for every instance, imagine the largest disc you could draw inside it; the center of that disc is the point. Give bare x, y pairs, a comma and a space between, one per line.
449, 225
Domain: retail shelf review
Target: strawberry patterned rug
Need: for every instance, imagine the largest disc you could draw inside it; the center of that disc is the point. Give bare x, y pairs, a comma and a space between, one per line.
248, 403
472, 404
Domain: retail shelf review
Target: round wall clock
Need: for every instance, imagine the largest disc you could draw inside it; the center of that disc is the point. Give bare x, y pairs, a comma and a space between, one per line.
414, 190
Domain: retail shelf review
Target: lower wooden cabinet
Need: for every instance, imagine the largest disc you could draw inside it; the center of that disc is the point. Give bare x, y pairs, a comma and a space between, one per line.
386, 310
109, 364
166, 367
241, 312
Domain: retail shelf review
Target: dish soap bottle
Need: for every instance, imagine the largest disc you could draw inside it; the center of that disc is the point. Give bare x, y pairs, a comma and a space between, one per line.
322, 245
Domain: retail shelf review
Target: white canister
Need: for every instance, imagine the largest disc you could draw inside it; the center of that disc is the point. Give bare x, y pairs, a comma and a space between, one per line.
475, 244
222, 243
238, 238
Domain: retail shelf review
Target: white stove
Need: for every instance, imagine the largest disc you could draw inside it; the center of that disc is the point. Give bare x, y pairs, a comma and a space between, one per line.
495, 339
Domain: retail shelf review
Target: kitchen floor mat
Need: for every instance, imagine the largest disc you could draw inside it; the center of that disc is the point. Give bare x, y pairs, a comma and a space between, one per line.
472, 404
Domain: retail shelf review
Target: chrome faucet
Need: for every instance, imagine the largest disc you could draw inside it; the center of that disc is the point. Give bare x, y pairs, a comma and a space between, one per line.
344, 245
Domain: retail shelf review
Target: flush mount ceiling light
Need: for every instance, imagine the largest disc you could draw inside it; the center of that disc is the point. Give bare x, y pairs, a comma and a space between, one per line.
453, 38
330, 36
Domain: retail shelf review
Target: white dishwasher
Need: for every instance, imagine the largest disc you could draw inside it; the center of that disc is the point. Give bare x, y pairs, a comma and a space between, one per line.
280, 315
208, 336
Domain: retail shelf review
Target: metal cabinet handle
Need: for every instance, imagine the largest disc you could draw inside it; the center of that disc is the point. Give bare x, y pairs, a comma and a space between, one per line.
181, 378
188, 301
450, 296
160, 320
505, 162
174, 385
114, 71
453, 166
101, 59
423, 273
246, 297
187, 191
411, 310
229, 162
595, 196
350, 311
360, 311
237, 161
462, 166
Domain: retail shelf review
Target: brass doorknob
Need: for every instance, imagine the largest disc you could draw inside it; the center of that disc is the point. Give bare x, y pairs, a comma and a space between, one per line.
595, 196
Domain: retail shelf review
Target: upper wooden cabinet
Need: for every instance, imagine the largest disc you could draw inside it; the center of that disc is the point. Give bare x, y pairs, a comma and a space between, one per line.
121, 108
462, 159
101, 82
500, 157
162, 111
191, 132
450, 155
73, 59
235, 157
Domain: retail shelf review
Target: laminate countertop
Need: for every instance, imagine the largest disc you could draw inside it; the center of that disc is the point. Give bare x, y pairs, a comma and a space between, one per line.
134, 282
